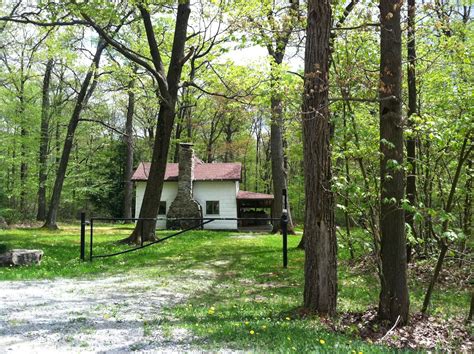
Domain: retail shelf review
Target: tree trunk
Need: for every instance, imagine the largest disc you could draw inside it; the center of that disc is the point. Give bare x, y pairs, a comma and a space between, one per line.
149, 210
229, 135
128, 140
412, 109
279, 175
348, 179
145, 230
467, 220
463, 155
71, 129
320, 290
471, 309
23, 147
394, 300
44, 141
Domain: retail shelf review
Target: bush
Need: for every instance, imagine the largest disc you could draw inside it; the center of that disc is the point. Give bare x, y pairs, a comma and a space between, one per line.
10, 215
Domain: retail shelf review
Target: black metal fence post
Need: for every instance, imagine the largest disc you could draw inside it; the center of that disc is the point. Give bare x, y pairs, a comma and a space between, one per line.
92, 236
284, 231
83, 235
284, 227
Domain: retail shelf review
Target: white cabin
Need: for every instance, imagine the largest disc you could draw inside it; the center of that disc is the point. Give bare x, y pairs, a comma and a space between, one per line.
215, 187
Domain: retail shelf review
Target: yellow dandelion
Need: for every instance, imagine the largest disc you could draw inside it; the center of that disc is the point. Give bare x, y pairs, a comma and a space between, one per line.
252, 332
361, 352
322, 341
288, 318
212, 308
247, 323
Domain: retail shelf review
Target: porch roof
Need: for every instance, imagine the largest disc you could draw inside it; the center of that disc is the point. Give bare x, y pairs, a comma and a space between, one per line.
245, 195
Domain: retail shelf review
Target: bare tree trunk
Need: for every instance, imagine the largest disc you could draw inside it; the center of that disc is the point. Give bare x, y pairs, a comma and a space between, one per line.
277, 158
151, 199
320, 290
44, 141
61, 172
23, 146
394, 300
128, 140
279, 173
412, 109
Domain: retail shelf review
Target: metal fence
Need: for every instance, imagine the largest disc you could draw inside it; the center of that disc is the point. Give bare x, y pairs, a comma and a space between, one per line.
199, 223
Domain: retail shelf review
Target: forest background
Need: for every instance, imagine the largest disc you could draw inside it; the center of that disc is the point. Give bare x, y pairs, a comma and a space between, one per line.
240, 58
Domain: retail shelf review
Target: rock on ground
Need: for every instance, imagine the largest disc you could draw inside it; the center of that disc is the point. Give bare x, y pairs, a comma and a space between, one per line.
19, 257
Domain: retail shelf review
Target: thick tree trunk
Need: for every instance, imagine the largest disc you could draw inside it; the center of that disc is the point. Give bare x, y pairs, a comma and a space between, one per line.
128, 140
412, 109
149, 210
145, 230
44, 141
394, 300
61, 172
320, 290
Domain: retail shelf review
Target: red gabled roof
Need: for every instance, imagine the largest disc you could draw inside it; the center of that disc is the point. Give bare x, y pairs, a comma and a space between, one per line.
252, 195
202, 171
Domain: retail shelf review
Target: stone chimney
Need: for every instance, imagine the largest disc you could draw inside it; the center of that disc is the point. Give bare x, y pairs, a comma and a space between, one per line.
184, 206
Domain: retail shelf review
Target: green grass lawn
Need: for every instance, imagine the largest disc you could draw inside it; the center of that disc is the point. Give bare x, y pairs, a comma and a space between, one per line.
252, 301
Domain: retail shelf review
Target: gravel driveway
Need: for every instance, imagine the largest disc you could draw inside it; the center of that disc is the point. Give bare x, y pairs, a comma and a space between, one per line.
110, 315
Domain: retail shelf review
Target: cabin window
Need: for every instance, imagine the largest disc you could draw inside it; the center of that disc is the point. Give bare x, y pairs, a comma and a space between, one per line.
162, 208
212, 207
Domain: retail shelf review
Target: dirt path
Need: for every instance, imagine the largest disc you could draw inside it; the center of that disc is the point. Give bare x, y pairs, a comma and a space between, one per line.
111, 315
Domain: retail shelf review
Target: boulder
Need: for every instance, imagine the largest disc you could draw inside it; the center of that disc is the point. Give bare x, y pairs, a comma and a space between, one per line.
20, 257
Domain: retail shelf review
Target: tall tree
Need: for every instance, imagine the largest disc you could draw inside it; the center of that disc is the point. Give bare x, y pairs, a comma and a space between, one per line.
84, 93
167, 94
412, 110
394, 301
320, 290
128, 141
44, 141
276, 48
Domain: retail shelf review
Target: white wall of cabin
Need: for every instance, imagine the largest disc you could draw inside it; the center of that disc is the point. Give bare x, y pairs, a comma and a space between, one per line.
223, 191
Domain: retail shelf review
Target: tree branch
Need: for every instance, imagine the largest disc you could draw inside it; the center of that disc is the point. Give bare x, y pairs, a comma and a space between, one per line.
104, 124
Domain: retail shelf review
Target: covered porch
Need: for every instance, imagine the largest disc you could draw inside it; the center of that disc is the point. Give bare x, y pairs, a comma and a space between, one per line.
256, 206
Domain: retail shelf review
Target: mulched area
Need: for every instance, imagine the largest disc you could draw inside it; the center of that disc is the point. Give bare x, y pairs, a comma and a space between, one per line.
421, 332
